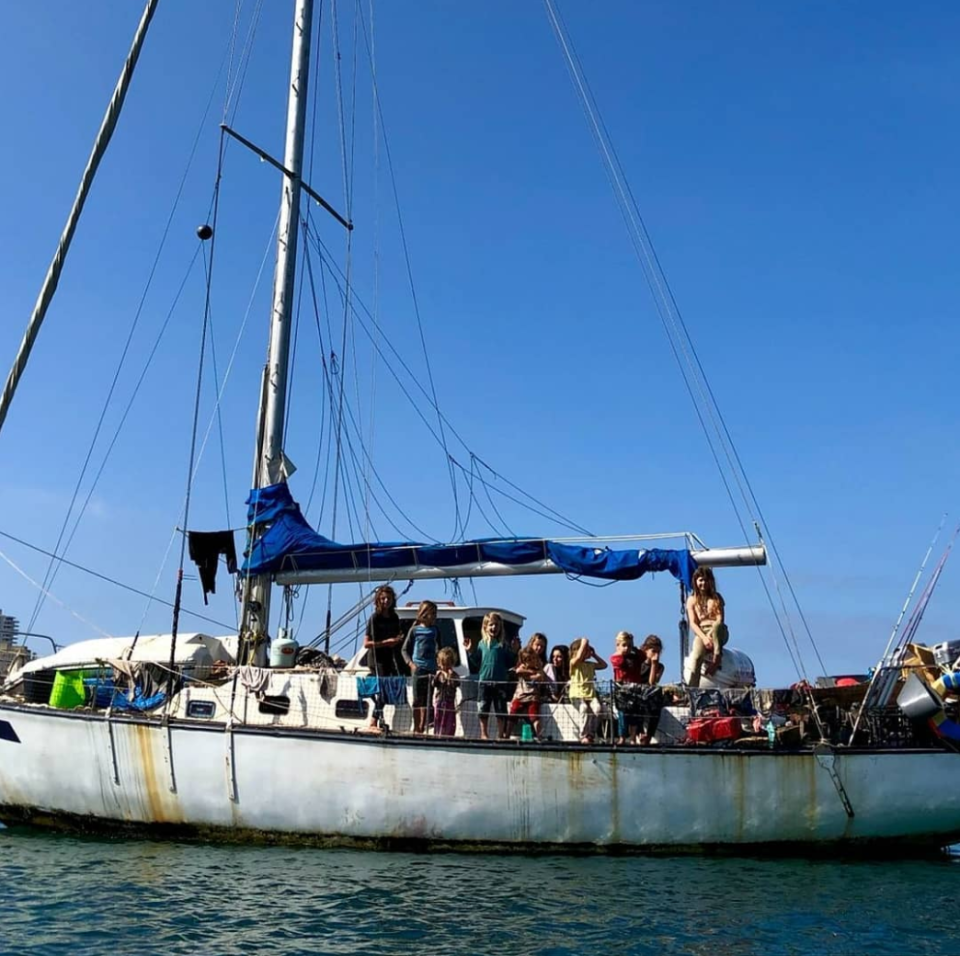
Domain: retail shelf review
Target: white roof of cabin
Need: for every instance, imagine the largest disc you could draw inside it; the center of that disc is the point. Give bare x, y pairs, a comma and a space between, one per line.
195, 648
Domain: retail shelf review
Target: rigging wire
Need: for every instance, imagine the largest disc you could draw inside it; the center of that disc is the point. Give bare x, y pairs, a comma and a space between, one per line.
916, 617
718, 436
48, 593
376, 226
58, 552
194, 431
217, 411
108, 580
328, 376
347, 172
390, 350
235, 89
53, 567
458, 528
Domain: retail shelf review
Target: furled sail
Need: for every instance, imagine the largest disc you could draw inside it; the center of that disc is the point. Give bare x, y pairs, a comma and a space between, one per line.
293, 552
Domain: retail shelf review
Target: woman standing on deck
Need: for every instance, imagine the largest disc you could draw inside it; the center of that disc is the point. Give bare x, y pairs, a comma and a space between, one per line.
382, 638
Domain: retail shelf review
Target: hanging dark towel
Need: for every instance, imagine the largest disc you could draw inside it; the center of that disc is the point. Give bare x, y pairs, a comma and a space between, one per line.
205, 550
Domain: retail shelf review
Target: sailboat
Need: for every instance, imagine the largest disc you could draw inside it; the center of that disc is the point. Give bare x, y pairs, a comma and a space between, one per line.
221, 738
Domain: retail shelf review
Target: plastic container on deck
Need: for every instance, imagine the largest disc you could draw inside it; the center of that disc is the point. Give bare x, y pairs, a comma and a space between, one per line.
67, 692
99, 690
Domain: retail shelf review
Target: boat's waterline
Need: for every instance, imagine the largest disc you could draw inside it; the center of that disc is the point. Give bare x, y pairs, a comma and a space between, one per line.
209, 781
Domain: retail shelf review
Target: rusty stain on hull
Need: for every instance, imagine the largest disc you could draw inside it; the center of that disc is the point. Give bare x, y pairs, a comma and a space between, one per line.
157, 796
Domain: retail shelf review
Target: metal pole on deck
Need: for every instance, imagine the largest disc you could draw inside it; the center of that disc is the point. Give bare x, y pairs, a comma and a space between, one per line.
270, 465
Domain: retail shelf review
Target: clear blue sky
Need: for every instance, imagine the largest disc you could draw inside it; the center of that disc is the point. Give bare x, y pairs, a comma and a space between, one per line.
796, 167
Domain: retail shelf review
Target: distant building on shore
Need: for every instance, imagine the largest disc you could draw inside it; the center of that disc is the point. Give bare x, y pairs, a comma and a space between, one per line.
8, 627
10, 651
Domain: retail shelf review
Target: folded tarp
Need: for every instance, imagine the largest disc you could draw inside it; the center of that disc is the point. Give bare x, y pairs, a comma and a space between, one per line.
290, 544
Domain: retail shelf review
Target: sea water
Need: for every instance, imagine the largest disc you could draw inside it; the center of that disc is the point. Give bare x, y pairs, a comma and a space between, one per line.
71, 896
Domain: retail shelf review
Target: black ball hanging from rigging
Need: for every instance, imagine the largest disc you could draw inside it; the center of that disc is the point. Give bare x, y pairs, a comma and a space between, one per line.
205, 231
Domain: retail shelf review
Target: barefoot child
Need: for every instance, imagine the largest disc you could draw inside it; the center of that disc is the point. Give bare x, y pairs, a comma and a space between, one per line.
445, 694
584, 663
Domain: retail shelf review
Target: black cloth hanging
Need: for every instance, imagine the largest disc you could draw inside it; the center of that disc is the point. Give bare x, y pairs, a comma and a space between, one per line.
205, 550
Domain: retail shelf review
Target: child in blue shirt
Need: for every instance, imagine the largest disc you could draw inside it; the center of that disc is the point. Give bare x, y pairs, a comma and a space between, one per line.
420, 652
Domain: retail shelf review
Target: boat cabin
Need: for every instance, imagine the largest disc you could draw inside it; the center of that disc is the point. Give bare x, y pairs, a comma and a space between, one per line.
453, 622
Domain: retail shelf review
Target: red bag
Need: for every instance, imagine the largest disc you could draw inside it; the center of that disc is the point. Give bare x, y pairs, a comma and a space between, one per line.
710, 730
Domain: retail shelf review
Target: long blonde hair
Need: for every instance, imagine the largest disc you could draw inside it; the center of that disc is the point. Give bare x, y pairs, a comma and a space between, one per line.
492, 616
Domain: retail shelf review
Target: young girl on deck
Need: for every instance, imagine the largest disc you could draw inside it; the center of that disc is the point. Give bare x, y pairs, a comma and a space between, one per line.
626, 674
495, 659
651, 670
584, 663
530, 678
445, 687
420, 652
639, 701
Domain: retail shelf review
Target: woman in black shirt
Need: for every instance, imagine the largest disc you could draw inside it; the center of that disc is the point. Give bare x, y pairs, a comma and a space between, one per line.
382, 638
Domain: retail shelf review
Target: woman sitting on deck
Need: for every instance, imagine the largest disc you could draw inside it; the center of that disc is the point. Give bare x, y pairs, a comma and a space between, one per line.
705, 612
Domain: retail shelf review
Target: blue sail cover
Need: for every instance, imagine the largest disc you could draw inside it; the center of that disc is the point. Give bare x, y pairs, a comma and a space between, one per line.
290, 544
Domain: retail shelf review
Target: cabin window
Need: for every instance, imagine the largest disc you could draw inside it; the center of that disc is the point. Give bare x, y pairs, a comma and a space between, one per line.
275, 705
351, 709
448, 636
201, 708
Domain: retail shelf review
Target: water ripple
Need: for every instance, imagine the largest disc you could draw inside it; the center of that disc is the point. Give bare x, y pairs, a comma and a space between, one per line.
89, 897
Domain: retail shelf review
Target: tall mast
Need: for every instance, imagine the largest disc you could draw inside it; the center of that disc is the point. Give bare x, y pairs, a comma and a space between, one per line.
269, 461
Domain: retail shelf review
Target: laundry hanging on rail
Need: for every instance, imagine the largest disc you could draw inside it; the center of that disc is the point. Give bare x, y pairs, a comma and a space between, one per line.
205, 550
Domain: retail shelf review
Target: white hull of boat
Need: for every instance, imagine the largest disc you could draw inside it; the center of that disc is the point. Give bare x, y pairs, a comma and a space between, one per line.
310, 786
